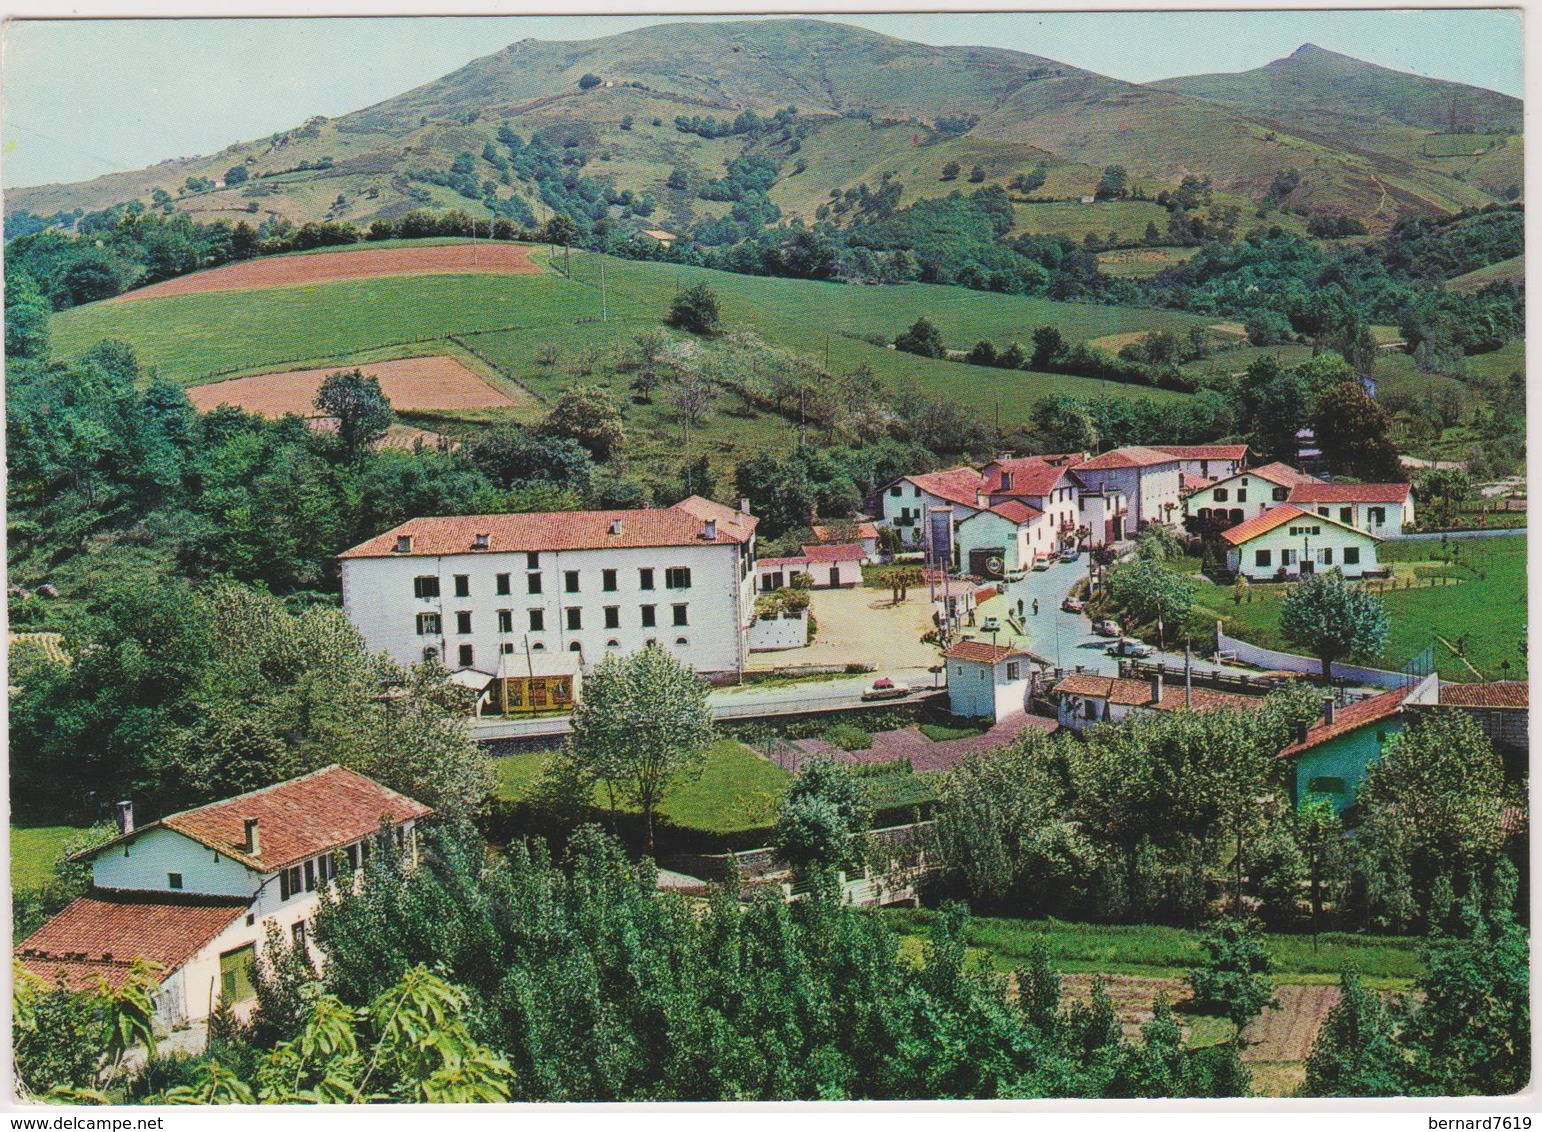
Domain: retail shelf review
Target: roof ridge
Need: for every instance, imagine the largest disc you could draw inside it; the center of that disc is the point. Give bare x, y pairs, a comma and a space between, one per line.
262, 790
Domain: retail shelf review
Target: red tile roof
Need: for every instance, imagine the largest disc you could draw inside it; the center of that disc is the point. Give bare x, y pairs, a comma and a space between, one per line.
1133, 456
1350, 718
956, 485
981, 652
100, 935
1016, 511
1277, 516
1350, 493
828, 532
837, 552
1188, 482
1031, 477
304, 817
1282, 474
1499, 694
1204, 451
680, 525
1174, 698
1110, 688
764, 563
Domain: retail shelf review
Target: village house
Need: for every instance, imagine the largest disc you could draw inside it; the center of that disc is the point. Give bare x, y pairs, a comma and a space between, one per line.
987, 681
1240, 497
1381, 509
1085, 700
1004, 540
1148, 478
1500, 708
835, 566
862, 531
470, 590
1207, 461
1330, 757
905, 503
1287, 542
196, 892
1044, 483
1105, 515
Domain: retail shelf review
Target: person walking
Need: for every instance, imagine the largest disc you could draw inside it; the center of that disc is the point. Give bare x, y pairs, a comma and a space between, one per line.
1019, 607
1035, 607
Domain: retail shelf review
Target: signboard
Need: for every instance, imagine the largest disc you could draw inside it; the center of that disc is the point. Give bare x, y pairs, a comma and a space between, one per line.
939, 535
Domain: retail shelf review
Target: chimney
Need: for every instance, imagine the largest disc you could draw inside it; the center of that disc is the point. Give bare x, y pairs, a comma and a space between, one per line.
124, 813
709, 530
1156, 688
744, 505
253, 844
1327, 711
615, 526
480, 542
403, 544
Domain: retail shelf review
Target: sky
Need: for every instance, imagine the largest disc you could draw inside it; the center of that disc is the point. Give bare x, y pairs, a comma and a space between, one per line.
87, 97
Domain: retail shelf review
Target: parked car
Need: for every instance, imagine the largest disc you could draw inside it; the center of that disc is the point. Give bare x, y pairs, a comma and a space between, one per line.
1125, 646
1070, 554
885, 689
1041, 563
991, 625
1105, 628
1072, 605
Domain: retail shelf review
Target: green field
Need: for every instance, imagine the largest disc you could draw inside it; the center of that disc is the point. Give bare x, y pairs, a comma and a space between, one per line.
1488, 606
1506, 271
1126, 218
506, 319
1167, 952
35, 850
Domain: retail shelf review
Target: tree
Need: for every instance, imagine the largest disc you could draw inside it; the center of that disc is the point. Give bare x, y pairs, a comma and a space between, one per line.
977, 174
1353, 432
950, 171
1148, 591
1333, 619
1114, 184
822, 818
589, 82
1234, 979
922, 338
363, 412
695, 309
510, 455
696, 478
1048, 344
27, 314
590, 415
235, 175
1355, 1054
643, 724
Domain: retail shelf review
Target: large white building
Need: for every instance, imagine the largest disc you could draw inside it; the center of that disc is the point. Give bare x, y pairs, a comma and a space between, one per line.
1245, 495
1381, 509
472, 590
1148, 478
1207, 461
195, 893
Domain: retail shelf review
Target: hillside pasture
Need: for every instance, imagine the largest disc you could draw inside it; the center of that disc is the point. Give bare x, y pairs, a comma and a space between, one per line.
1136, 263
435, 382
1511, 270
473, 258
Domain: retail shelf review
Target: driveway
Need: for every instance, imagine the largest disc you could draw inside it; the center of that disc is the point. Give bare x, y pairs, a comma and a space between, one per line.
860, 626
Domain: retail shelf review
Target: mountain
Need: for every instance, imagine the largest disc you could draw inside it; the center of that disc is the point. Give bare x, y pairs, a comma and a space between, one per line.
869, 108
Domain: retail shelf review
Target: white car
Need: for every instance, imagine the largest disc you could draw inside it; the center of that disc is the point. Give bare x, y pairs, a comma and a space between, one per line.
991, 625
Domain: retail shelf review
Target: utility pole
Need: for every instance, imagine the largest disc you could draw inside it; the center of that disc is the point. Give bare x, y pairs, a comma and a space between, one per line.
604, 311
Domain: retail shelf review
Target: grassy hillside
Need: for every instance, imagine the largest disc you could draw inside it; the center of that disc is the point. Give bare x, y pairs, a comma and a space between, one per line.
506, 322
868, 105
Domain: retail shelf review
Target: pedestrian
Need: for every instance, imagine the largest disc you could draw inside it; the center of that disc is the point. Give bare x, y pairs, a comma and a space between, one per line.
1019, 607
1035, 607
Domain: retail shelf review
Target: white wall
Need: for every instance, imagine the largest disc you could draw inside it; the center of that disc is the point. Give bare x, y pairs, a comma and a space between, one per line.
979, 691
917, 502
1260, 497
1396, 515
770, 633
143, 863
378, 597
1329, 538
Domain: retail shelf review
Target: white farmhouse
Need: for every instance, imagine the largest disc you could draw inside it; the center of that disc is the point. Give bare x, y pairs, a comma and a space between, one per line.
1207, 461
1381, 509
905, 503
1044, 483
1148, 478
987, 681
470, 590
1287, 542
1004, 540
196, 892
1246, 495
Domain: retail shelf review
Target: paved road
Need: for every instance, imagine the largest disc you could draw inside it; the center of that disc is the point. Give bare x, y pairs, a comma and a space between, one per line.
1457, 534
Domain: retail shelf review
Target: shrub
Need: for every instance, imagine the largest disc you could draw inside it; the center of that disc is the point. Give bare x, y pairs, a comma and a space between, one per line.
848, 737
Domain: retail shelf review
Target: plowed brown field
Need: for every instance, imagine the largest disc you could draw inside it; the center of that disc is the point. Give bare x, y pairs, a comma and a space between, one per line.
328, 267
437, 382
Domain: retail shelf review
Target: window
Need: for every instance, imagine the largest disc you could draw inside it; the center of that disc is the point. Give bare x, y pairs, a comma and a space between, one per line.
428, 624
680, 617
1287, 558
537, 620
1323, 511
1281, 494
426, 585
173, 880
353, 856
681, 641
507, 648
1221, 495
677, 578
1347, 515
1351, 556
503, 584
532, 560
1242, 495
575, 647
532, 583
295, 880
297, 933
650, 616
462, 585
463, 621
612, 617
538, 647
1325, 555
1014, 669
505, 621
608, 581
1377, 516
1263, 558
1326, 784
613, 644
645, 579
570, 581
467, 655
575, 617
310, 876
895, 490
430, 653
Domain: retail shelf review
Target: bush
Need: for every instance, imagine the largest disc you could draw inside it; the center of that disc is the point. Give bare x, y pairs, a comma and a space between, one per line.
589, 82
848, 737
696, 310
922, 338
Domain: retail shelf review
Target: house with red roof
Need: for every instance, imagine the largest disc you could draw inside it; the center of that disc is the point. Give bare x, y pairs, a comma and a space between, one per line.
1207, 461
988, 681
1330, 757
471, 590
862, 531
1085, 699
196, 892
905, 504
1044, 483
1004, 539
1381, 509
1286, 542
1244, 496
1148, 477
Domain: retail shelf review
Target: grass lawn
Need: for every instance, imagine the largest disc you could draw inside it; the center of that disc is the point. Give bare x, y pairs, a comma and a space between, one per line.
736, 790
942, 732
35, 850
1165, 952
1488, 606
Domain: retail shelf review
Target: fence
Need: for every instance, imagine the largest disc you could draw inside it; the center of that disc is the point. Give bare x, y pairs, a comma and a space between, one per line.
1261, 657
